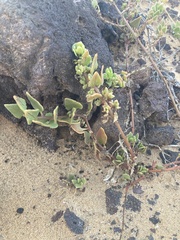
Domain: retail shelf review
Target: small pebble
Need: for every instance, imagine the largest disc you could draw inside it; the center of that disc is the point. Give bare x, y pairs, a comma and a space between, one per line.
20, 210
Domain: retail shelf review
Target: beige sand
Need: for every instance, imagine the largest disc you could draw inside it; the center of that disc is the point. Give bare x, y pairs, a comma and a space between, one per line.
29, 173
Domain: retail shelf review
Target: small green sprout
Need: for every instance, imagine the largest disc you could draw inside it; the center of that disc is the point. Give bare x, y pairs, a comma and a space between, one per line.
95, 5
176, 29
126, 177
120, 157
78, 183
156, 10
78, 49
141, 169
161, 29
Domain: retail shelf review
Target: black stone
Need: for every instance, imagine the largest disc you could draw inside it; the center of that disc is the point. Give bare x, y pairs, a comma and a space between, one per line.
113, 222
133, 204
150, 237
20, 210
137, 189
154, 102
36, 53
141, 61
167, 47
49, 195
178, 68
74, 223
160, 135
173, 13
148, 151
57, 216
169, 156
116, 229
153, 201
109, 11
112, 200
161, 44
155, 219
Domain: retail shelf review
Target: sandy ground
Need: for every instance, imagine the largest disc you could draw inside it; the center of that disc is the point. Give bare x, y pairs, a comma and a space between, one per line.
34, 198
30, 179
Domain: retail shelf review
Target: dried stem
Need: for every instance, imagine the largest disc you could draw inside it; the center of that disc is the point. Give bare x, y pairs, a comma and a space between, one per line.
164, 170
151, 60
91, 132
117, 124
168, 167
132, 111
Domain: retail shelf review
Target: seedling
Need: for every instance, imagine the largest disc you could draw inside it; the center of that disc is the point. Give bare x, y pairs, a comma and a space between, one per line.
78, 183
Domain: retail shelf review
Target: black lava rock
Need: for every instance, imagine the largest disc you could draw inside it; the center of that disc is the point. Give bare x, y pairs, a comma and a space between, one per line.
20, 210
112, 200
74, 223
168, 156
57, 216
155, 219
133, 204
160, 135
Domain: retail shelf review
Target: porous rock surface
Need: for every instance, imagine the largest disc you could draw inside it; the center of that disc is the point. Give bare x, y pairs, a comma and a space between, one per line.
35, 51
35, 56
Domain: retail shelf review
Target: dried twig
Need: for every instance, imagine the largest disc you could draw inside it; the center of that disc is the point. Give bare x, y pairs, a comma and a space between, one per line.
132, 111
151, 60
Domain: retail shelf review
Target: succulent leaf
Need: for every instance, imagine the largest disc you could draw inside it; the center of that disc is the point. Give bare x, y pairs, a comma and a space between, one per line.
70, 103
77, 128
94, 96
35, 104
101, 136
55, 114
30, 115
45, 123
20, 102
95, 80
94, 64
15, 110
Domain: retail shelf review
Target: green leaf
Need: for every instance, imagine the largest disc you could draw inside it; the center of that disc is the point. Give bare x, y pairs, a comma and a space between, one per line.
35, 104
77, 128
90, 107
95, 80
20, 102
93, 96
79, 182
87, 137
101, 136
64, 119
126, 177
70, 103
71, 177
30, 115
49, 114
136, 22
108, 73
94, 64
78, 48
14, 110
45, 123
86, 58
55, 114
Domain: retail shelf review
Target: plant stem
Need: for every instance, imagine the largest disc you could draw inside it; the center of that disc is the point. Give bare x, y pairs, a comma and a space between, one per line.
91, 132
132, 111
117, 124
151, 60
164, 170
